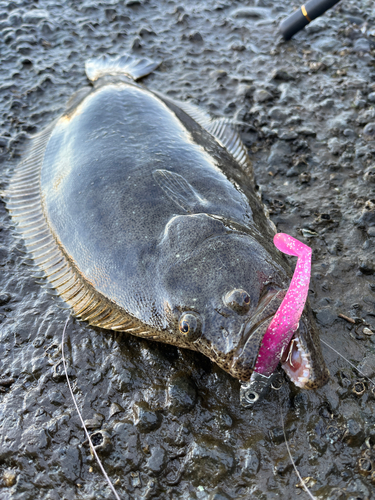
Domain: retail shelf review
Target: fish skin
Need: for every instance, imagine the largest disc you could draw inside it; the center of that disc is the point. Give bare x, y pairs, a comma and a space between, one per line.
157, 219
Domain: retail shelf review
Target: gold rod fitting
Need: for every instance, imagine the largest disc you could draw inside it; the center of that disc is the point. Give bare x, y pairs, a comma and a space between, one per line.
304, 12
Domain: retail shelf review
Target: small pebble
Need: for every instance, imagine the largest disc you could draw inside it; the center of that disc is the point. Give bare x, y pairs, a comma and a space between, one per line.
196, 37
262, 95
369, 130
369, 175
9, 478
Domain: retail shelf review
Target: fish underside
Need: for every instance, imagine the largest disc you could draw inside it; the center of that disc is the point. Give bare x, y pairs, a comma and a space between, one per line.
142, 213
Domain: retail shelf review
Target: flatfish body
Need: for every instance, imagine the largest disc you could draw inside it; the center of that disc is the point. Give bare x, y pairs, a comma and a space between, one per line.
142, 213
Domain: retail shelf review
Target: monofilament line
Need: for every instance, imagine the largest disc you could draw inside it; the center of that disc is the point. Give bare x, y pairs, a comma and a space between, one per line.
290, 455
351, 364
80, 416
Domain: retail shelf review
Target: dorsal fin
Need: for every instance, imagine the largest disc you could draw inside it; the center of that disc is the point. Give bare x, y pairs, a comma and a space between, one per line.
224, 132
121, 65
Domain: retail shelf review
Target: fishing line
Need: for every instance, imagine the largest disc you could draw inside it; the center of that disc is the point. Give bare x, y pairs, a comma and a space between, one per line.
290, 455
351, 364
80, 416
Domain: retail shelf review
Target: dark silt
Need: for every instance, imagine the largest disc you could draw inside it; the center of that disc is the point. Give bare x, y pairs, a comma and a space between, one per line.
171, 419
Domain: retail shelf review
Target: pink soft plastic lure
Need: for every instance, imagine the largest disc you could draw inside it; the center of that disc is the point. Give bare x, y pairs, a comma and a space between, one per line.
286, 320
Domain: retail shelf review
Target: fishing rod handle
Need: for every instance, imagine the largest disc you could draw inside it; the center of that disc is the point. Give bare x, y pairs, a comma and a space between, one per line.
304, 15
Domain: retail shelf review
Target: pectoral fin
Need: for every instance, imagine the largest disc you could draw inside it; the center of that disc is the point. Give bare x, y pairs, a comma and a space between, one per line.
180, 191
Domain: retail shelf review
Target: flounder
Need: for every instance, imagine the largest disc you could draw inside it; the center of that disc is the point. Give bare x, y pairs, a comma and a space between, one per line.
142, 213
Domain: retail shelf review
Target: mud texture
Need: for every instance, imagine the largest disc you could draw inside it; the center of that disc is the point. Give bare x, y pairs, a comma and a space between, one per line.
167, 423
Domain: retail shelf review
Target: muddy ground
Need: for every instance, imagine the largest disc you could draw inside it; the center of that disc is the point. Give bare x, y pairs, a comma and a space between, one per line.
171, 420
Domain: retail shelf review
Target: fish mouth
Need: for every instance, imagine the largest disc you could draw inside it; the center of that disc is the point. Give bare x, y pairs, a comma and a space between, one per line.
253, 332
295, 361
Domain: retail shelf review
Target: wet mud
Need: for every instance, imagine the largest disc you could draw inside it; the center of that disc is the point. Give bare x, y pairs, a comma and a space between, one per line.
167, 422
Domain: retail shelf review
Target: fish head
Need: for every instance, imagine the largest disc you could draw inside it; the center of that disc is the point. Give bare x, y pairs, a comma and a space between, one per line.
220, 289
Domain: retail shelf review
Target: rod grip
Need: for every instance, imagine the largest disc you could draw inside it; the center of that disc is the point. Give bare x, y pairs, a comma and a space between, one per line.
305, 14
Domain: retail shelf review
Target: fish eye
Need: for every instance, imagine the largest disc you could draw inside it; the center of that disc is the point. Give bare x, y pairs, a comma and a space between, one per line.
190, 326
238, 300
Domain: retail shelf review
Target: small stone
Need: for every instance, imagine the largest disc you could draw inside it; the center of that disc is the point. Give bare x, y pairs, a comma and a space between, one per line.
277, 435
114, 409
335, 146
370, 175
304, 178
367, 366
318, 443
354, 434
196, 37
224, 420
250, 13
35, 16
365, 117
182, 395
369, 130
136, 43
218, 494
146, 31
326, 43
3, 256
367, 217
333, 433
145, 418
282, 75
340, 122
4, 298
208, 462
371, 232
350, 133
287, 135
15, 20
95, 422
56, 398
359, 101
183, 18
219, 74
355, 19
318, 25
371, 97
278, 113
326, 317
238, 47
361, 45
251, 463
306, 131
262, 95
292, 172
156, 461
267, 132
9, 478
279, 155
366, 266
6, 382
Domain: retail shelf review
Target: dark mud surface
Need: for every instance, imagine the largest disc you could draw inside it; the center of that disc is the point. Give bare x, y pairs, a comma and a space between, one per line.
167, 422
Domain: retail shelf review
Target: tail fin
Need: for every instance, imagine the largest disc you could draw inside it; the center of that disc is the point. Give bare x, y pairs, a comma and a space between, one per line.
120, 65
